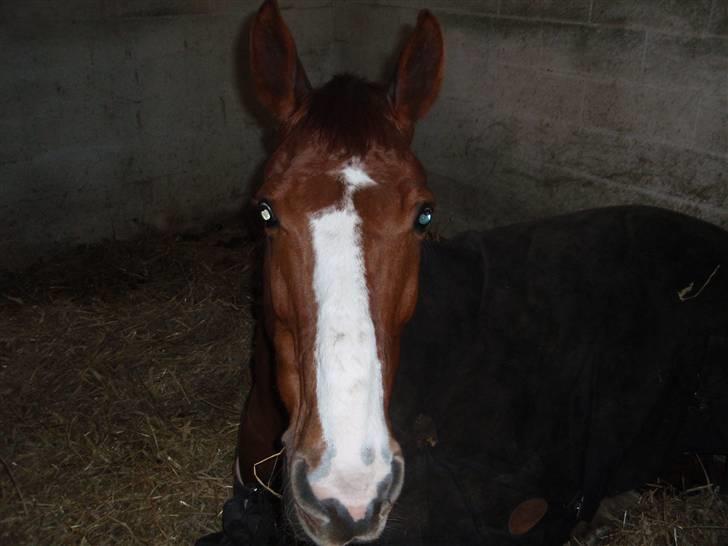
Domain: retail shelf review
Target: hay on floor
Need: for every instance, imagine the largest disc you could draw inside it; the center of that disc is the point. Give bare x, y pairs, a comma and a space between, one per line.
122, 373
659, 515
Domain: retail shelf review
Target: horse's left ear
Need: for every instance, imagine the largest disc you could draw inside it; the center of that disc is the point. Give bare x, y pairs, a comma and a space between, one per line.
419, 71
280, 81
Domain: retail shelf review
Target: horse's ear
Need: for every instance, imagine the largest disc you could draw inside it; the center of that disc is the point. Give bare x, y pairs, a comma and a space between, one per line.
419, 71
280, 81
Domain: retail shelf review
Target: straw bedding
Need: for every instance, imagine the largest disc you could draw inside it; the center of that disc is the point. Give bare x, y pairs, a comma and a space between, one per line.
660, 515
122, 375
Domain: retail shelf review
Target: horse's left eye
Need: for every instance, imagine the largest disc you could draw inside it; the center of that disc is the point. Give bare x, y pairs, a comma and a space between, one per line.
424, 217
266, 214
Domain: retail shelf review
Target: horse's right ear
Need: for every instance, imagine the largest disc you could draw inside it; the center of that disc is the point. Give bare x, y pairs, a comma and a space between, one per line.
280, 81
419, 71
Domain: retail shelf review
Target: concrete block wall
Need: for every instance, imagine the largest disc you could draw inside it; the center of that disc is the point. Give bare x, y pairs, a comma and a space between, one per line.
120, 115
551, 106
117, 116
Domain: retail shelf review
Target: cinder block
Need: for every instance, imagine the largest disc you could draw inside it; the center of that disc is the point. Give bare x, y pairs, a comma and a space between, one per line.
533, 93
451, 139
469, 67
615, 106
655, 113
112, 70
673, 15
571, 10
474, 6
247, 8
672, 115
357, 23
64, 93
14, 136
15, 187
368, 39
557, 190
80, 10
44, 11
585, 168
517, 42
719, 18
306, 4
159, 8
50, 56
521, 8
313, 30
655, 168
688, 62
598, 51
460, 206
712, 124
125, 114
161, 37
519, 196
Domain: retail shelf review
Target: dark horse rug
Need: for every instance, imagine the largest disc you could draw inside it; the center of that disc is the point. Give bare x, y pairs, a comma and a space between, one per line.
565, 359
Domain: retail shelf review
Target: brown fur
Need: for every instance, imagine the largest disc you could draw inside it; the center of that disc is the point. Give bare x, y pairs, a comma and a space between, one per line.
319, 129
348, 116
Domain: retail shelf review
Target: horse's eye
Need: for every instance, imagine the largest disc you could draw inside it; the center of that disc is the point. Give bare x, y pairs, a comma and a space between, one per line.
424, 217
266, 214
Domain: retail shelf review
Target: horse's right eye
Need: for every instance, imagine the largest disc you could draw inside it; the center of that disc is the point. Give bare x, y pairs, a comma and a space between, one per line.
265, 211
424, 218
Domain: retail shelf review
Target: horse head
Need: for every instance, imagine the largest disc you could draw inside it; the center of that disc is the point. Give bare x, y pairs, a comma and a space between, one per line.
344, 205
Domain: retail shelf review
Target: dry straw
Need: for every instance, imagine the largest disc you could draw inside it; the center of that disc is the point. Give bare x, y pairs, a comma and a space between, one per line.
662, 515
123, 368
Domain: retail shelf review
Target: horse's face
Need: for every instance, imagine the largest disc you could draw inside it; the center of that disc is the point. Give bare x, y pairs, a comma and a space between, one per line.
344, 204
341, 280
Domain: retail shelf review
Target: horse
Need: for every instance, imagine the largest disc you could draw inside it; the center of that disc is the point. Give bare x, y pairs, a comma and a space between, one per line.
344, 207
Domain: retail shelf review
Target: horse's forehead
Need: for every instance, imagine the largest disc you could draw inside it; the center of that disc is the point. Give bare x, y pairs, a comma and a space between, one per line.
354, 176
308, 187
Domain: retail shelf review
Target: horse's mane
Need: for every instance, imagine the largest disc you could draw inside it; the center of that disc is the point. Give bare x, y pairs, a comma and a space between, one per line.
349, 115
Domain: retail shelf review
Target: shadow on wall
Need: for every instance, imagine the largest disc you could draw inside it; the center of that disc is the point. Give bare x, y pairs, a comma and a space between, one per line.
241, 208
266, 123
115, 122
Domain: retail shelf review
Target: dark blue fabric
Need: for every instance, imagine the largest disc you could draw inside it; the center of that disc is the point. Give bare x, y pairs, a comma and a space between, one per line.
249, 518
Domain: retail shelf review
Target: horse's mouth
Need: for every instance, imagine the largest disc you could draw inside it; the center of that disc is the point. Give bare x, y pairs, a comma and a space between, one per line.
316, 526
327, 522
312, 528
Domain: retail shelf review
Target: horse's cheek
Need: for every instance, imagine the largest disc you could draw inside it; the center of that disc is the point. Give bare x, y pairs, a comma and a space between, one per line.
410, 288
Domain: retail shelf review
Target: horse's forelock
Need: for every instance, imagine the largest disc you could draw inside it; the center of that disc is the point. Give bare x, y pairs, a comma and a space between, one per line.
348, 116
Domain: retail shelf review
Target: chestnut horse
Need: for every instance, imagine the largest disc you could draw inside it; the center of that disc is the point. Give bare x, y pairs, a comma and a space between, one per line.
344, 205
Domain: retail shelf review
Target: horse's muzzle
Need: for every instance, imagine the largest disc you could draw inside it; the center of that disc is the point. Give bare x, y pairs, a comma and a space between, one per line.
328, 522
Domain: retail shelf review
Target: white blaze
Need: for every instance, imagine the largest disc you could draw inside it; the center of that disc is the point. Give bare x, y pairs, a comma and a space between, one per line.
348, 371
